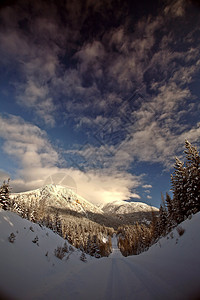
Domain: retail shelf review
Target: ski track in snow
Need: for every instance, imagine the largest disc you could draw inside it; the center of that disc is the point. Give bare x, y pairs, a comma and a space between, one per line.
112, 278
104, 279
168, 270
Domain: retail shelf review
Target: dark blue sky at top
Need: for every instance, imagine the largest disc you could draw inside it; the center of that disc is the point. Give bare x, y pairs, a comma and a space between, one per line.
104, 91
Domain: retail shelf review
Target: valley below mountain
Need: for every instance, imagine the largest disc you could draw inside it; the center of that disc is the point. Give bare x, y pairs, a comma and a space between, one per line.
80, 222
52, 199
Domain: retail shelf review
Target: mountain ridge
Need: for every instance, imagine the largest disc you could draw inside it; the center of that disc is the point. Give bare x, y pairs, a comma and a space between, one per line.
54, 197
120, 206
61, 196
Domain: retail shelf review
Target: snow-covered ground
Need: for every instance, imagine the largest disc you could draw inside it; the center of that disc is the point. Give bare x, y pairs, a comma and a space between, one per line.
116, 253
168, 270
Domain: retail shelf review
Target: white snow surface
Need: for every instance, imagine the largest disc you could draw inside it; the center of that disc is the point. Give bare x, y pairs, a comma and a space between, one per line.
115, 250
168, 270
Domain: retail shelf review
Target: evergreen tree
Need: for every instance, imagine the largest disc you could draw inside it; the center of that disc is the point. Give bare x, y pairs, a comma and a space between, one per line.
170, 212
185, 186
193, 178
57, 224
89, 245
154, 226
179, 188
162, 223
5, 195
95, 247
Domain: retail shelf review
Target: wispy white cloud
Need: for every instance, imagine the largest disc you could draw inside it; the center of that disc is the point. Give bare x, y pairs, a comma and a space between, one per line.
35, 58
147, 186
35, 96
26, 142
135, 196
91, 57
175, 8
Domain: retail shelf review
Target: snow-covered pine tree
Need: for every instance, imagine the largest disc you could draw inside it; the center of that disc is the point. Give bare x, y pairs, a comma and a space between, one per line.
170, 212
162, 223
5, 195
95, 248
57, 223
193, 178
154, 226
89, 245
179, 188
68, 236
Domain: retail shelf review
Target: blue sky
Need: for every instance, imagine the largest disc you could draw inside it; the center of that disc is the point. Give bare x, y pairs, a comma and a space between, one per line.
103, 91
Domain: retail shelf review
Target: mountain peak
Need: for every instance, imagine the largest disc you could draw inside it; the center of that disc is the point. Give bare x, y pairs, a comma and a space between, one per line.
59, 196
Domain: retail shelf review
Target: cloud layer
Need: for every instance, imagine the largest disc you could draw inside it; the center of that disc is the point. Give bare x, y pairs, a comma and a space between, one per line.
37, 159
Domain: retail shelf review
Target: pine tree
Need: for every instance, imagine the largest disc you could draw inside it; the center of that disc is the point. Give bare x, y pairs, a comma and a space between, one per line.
89, 245
179, 188
186, 185
193, 178
162, 223
170, 212
95, 248
5, 195
154, 226
57, 224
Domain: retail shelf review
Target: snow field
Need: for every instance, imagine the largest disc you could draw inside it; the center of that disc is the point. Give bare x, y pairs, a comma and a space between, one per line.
170, 269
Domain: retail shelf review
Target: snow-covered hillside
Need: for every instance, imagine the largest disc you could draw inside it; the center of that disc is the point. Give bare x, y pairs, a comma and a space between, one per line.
168, 270
28, 262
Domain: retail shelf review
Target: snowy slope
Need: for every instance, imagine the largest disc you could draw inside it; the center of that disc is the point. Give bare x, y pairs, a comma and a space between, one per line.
168, 270
24, 264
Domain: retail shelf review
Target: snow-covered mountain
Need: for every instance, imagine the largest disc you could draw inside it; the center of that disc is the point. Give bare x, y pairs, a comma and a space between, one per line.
124, 207
129, 212
170, 269
60, 197
69, 202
